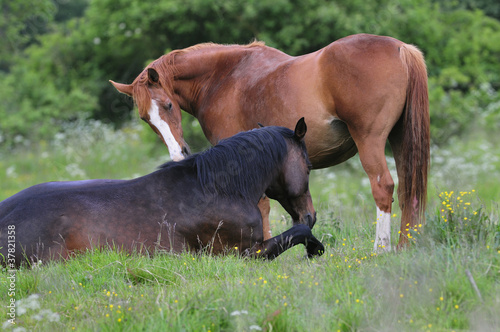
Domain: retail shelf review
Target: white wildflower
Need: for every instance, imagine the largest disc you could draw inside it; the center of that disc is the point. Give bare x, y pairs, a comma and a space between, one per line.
11, 172
237, 313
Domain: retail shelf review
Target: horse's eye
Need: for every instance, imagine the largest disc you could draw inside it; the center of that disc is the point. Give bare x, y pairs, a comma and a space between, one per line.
309, 168
169, 106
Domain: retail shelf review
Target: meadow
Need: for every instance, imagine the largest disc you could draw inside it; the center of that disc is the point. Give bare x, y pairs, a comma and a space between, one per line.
448, 280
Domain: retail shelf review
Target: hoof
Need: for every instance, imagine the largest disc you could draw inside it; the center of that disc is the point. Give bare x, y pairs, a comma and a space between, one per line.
315, 249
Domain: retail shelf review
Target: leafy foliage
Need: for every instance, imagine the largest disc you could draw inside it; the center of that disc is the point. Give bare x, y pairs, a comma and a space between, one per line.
20, 23
60, 55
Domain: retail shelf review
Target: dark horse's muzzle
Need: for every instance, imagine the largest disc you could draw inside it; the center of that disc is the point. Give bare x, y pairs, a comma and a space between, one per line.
310, 219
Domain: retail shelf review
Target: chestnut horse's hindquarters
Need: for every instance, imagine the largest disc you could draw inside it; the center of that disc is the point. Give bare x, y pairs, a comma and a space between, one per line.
409, 138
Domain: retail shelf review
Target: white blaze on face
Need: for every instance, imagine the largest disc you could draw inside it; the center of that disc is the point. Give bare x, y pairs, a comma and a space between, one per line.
173, 147
383, 232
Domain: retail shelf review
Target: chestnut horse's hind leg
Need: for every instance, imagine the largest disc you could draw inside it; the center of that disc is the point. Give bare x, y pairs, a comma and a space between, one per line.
298, 234
372, 156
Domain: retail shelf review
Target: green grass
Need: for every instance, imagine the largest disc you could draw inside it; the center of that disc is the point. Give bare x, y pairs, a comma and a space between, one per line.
429, 287
348, 288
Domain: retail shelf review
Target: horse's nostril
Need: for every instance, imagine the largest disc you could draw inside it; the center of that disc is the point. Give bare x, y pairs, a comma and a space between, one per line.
185, 151
311, 219
308, 219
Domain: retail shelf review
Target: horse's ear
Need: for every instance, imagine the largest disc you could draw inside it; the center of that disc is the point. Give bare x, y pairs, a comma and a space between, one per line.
123, 88
153, 75
300, 129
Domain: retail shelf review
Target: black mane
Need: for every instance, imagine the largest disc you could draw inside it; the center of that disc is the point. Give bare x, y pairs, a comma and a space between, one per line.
236, 163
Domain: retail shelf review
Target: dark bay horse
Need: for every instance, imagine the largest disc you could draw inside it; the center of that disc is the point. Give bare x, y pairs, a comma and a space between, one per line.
206, 200
355, 94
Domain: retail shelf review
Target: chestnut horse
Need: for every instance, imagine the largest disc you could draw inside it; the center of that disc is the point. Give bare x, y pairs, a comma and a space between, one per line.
355, 94
207, 200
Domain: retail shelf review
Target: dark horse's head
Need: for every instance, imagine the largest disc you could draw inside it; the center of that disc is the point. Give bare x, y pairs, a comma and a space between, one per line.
272, 159
291, 187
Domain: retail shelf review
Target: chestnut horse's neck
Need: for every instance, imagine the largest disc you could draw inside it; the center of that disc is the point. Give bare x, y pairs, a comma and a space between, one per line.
200, 70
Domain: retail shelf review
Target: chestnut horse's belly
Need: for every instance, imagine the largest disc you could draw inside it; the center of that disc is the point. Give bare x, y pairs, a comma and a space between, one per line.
329, 143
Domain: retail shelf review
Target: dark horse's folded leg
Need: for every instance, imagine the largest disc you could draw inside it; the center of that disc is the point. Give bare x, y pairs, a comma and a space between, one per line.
298, 234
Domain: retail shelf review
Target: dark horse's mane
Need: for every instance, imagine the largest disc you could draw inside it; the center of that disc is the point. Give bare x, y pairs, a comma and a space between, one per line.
236, 163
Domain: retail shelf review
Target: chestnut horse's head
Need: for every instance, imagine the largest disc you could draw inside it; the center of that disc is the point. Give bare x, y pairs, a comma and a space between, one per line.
151, 95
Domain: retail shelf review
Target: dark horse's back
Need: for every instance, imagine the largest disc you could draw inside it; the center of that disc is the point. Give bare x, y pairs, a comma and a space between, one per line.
35, 214
162, 210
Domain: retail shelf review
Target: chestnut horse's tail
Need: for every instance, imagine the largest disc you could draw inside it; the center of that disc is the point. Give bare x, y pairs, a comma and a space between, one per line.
416, 139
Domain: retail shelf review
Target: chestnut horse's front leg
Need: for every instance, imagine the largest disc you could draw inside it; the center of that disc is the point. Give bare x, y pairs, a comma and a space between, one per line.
265, 207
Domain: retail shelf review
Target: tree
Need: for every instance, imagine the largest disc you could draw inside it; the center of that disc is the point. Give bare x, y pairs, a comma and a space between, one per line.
21, 22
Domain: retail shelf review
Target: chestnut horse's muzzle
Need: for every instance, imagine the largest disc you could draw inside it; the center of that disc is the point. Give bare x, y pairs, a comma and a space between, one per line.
186, 151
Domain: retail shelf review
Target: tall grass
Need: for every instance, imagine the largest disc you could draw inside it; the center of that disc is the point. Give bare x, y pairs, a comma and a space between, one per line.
447, 280
83, 150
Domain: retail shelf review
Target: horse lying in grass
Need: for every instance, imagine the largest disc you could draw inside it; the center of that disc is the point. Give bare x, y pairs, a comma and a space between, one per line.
209, 199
